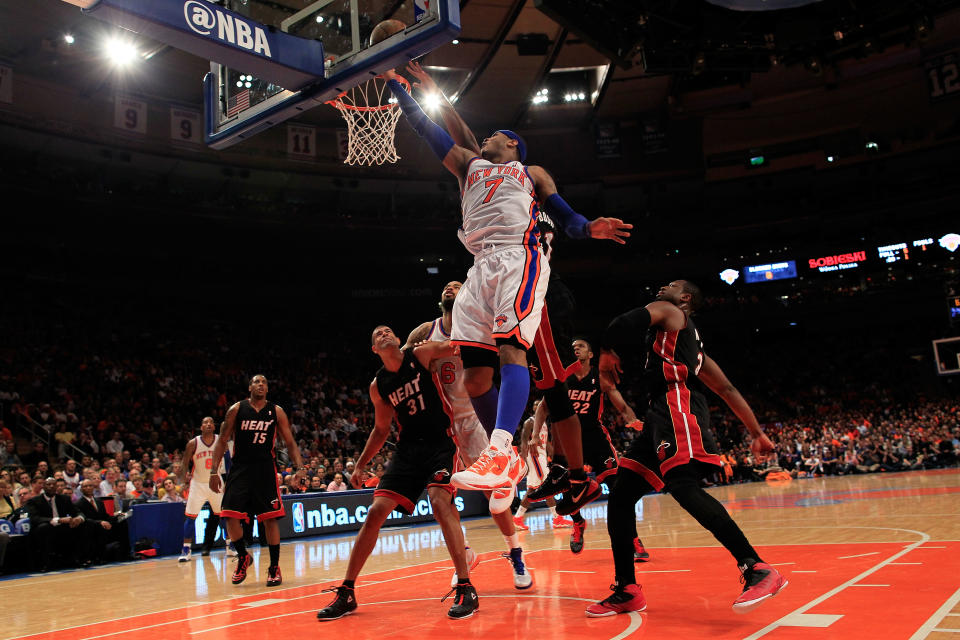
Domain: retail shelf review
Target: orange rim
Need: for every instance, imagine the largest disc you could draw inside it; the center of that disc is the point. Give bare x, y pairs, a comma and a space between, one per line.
340, 104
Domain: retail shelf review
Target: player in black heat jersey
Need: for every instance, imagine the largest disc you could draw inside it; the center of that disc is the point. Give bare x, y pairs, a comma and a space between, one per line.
587, 390
251, 489
405, 389
676, 447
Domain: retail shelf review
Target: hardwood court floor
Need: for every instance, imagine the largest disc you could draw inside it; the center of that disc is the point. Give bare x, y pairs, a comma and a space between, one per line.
873, 556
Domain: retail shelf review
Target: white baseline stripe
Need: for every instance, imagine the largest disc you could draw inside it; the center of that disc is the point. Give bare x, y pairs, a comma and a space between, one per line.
903, 563
938, 616
924, 537
635, 622
859, 555
947, 630
869, 585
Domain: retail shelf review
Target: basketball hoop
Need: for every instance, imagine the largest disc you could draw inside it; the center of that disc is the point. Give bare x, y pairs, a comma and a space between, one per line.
371, 113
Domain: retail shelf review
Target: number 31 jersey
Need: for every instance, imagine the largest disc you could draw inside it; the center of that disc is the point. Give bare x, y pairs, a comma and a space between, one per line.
414, 395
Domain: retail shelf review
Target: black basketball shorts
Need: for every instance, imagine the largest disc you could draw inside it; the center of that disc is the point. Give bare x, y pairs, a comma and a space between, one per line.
418, 464
676, 431
252, 491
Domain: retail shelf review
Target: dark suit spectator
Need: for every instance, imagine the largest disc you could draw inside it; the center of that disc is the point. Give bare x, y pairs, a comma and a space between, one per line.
55, 527
110, 536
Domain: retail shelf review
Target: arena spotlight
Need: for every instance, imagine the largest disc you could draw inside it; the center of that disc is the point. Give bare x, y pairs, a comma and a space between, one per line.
68, 38
431, 101
121, 52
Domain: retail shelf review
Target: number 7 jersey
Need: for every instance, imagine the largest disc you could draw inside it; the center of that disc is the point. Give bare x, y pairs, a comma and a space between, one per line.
498, 205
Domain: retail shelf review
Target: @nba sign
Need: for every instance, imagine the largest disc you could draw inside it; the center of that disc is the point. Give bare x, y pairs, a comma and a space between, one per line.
204, 19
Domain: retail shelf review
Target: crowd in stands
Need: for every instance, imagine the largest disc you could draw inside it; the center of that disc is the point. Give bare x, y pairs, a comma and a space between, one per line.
111, 418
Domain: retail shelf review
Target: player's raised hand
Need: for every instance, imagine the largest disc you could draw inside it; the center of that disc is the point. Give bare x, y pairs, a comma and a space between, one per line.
610, 229
425, 82
761, 447
390, 74
609, 366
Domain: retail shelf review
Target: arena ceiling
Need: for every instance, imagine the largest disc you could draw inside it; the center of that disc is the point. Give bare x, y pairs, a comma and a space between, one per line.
510, 49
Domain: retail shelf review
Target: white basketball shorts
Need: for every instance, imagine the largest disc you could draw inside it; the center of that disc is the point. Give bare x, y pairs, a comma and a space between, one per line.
200, 493
502, 297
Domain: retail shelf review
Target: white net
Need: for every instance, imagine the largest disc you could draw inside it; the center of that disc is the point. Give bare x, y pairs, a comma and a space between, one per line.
371, 113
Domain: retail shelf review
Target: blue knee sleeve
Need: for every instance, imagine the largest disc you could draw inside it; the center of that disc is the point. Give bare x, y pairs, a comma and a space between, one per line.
188, 527
514, 393
485, 407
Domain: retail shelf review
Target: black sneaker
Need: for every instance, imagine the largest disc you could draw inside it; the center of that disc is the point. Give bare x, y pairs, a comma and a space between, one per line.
581, 493
557, 481
576, 538
274, 577
345, 603
465, 603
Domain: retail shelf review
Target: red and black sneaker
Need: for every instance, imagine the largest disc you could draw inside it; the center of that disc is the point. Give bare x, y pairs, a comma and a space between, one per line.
623, 600
639, 553
760, 581
241, 573
581, 493
576, 538
556, 482
345, 603
274, 578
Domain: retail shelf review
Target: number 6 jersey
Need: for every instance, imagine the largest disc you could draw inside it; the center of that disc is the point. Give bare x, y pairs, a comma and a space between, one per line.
414, 394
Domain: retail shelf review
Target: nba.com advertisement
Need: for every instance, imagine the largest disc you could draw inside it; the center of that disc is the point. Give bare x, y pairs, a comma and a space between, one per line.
322, 513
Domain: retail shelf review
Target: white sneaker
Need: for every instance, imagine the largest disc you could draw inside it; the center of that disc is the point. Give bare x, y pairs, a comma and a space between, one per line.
521, 577
472, 562
501, 498
494, 468
231, 552
184, 554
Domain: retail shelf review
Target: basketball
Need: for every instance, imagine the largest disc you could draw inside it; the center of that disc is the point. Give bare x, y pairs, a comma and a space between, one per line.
386, 29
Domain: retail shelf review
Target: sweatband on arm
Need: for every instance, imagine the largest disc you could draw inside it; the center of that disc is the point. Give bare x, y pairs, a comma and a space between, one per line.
438, 139
574, 224
627, 329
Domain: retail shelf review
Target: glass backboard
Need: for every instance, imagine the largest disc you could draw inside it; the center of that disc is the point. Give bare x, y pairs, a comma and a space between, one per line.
238, 104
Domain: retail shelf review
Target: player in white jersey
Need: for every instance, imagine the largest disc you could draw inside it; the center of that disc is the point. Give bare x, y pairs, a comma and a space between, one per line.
536, 450
499, 306
468, 434
198, 465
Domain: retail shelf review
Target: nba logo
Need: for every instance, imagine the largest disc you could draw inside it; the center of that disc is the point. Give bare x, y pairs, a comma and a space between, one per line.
420, 7
298, 526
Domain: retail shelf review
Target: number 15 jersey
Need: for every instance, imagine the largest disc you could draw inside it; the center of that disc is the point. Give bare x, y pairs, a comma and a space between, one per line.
254, 433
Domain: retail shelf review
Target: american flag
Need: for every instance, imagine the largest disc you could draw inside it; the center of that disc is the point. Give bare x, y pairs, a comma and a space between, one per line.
238, 102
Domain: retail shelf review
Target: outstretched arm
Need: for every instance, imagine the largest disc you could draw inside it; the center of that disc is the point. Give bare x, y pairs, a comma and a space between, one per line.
382, 416
454, 158
574, 224
712, 376
461, 133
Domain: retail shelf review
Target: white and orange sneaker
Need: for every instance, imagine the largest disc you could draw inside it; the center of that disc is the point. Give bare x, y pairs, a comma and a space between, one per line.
560, 522
501, 498
520, 524
494, 469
